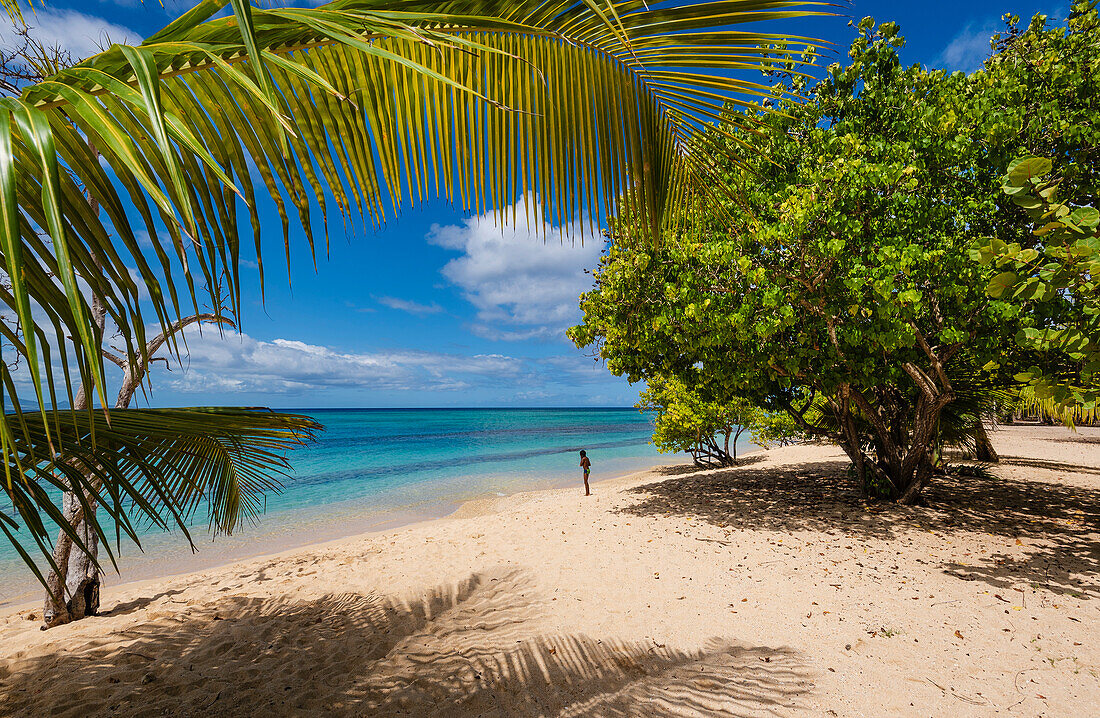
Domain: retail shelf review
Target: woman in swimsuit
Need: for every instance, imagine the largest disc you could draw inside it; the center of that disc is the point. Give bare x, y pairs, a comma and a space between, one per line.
587, 466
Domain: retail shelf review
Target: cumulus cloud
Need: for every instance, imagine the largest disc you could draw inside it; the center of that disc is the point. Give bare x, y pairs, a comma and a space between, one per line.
967, 50
76, 32
239, 363
524, 280
408, 306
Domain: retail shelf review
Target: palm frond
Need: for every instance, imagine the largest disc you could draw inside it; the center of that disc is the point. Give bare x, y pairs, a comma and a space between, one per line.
13, 9
156, 157
371, 106
1029, 402
153, 465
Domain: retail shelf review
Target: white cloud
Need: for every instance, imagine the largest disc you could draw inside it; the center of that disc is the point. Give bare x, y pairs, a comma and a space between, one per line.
80, 34
239, 363
525, 281
411, 307
967, 50
970, 47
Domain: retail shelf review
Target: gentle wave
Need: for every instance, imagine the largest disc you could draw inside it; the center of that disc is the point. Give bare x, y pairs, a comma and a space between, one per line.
371, 465
456, 462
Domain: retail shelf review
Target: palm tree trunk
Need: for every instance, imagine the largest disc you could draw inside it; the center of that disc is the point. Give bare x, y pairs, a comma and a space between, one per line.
983, 449
77, 595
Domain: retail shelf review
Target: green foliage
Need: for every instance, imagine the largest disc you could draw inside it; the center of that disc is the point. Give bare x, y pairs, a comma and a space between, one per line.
156, 465
1058, 264
1027, 403
365, 106
1039, 96
706, 428
837, 284
686, 422
769, 429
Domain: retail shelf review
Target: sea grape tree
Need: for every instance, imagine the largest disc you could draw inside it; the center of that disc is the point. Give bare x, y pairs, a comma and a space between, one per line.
836, 285
707, 427
1060, 264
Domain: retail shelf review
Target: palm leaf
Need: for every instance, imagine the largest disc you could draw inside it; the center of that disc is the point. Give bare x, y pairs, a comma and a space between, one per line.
1032, 403
374, 105
370, 106
157, 466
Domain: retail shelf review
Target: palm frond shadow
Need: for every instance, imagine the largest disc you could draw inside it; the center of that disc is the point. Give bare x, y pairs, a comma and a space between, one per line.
1060, 521
471, 649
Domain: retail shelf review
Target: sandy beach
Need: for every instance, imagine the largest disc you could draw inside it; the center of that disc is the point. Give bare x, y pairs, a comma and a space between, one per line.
766, 589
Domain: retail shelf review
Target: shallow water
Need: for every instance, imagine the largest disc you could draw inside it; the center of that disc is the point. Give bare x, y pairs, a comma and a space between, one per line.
376, 468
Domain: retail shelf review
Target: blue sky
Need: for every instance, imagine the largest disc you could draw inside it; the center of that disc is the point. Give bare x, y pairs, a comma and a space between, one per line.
439, 309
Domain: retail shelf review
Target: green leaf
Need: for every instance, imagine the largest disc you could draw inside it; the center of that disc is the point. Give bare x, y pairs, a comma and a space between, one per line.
1027, 201
1000, 283
1085, 217
1024, 169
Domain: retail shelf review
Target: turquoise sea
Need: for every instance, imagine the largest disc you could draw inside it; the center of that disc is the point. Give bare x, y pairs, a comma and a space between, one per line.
372, 469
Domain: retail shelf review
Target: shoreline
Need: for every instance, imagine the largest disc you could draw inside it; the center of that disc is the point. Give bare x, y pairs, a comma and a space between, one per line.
480, 506
770, 588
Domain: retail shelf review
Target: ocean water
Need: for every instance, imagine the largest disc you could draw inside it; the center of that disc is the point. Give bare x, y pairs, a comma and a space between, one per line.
372, 469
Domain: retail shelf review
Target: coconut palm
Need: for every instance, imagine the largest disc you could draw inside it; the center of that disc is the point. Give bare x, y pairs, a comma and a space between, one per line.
594, 106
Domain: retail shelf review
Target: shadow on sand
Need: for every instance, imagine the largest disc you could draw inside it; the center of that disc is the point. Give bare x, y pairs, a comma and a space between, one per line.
1060, 521
465, 650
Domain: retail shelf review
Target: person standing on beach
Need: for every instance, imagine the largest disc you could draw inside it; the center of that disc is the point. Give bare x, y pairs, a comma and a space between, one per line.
587, 466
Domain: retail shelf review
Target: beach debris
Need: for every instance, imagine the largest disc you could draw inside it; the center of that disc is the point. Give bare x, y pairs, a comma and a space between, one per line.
147, 679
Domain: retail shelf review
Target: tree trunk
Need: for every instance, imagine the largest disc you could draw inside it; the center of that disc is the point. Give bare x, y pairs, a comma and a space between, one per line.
915, 468
983, 449
900, 468
78, 594
707, 454
911, 493
72, 592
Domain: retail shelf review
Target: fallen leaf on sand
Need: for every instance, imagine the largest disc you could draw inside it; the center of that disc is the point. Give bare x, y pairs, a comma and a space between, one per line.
958, 635
1019, 542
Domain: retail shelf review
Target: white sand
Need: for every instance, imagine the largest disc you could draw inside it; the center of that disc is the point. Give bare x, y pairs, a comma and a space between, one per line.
769, 589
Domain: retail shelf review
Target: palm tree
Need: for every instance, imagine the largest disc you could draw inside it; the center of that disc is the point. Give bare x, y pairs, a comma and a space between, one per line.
370, 106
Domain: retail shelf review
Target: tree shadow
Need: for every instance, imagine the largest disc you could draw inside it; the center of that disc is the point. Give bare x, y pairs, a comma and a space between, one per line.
684, 469
1049, 465
1078, 439
807, 496
819, 496
472, 649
